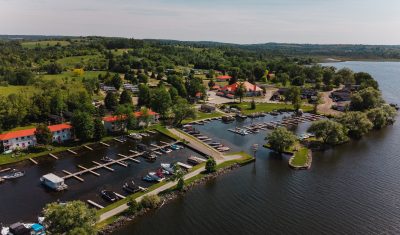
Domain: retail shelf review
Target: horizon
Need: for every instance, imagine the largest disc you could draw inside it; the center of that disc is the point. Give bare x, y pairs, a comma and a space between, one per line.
337, 22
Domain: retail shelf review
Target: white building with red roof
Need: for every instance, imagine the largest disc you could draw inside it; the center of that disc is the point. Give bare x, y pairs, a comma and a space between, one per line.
115, 123
22, 139
251, 89
223, 78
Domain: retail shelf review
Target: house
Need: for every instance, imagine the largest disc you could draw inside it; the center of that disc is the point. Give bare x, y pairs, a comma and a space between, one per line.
23, 139
341, 95
215, 88
251, 89
131, 88
223, 78
208, 108
118, 123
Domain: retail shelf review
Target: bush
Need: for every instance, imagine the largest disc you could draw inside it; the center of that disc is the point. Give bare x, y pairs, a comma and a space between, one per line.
180, 184
151, 201
134, 206
211, 165
253, 105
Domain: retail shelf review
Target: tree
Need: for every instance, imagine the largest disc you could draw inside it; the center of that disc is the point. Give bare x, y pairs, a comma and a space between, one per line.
134, 206
283, 78
211, 83
111, 101
57, 104
240, 91
116, 81
125, 98
99, 130
69, 218
211, 165
143, 78
365, 80
144, 95
161, 101
330, 132
346, 76
367, 98
43, 134
357, 124
173, 92
383, 116
327, 76
317, 102
54, 68
281, 139
151, 201
83, 125
182, 110
294, 95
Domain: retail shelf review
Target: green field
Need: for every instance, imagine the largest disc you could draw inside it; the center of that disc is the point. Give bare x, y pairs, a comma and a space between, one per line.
34, 44
118, 52
300, 157
7, 90
71, 62
268, 107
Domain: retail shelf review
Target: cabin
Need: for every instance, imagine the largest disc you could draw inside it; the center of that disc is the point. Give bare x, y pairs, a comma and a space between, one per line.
223, 78
22, 139
251, 89
131, 88
54, 182
118, 123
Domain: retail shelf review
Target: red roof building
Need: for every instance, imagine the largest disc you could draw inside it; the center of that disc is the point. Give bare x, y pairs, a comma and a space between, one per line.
251, 89
111, 126
223, 78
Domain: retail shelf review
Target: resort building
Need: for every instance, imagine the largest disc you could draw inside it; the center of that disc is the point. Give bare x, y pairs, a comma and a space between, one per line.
118, 123
223, 78
251, 89
22, 139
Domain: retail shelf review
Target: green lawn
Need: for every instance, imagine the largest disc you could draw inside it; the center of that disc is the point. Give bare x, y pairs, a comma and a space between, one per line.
300, 157
34, 44
7, 90
71, 62
202, 115
118, 52
268, 107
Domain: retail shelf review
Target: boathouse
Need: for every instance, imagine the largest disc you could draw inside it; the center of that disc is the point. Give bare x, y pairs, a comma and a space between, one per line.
22, 139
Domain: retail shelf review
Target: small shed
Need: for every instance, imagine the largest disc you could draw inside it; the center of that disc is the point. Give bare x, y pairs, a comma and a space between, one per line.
53, 181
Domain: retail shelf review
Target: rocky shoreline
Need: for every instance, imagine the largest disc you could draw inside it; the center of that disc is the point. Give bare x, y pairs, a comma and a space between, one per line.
306, 166
165, 198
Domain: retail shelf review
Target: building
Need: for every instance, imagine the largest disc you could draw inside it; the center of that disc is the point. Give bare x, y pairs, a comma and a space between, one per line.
223, 78
23, 139
341, 95
251, 89
118, 123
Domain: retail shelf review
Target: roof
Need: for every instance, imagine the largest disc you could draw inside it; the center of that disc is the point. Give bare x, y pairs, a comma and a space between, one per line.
31, 131
53, 178
123, 117
247, 85
224, 77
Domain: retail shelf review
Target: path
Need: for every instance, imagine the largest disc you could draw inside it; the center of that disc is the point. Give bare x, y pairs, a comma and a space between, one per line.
327, 102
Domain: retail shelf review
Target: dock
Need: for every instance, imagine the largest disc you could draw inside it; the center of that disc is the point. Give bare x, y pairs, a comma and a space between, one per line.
107, 165
152, 132
88, 147
93, 172
118, 140
104, 144
4, 170
53, 156
186, 166
119, 195
71, 151
95, 204
34, 162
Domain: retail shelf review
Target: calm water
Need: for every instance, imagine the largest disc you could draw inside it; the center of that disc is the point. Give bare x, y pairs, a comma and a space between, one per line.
22, 199
352, 189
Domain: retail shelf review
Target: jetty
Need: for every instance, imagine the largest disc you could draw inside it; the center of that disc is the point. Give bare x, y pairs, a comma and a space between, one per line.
104, 144
53, 156
92, 203
186, 166
34, 162
88, 147
120, 161
71, 151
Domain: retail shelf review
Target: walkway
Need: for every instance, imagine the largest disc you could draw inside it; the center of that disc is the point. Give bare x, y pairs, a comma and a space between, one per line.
326, 106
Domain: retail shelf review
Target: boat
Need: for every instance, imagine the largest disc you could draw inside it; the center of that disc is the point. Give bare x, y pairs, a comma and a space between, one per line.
13, 175
144, 134
135, 136
176, 147
223, 149
131, 187
169, 167
24, 228
241, 116
166, 150
195, 160
54, 182
228, 119
106, 159
109, 195
154, 177
203, 137
150, 156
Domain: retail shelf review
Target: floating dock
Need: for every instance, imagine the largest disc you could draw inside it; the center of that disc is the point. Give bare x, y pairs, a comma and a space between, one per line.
71, 151
104, 144
53, 156
186, 166
95, 204
88, 147
34, 162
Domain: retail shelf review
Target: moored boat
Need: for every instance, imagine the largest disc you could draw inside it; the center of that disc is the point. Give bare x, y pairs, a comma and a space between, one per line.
14, 175
106, 159
131, 187
169, 167
135, 136
109, 195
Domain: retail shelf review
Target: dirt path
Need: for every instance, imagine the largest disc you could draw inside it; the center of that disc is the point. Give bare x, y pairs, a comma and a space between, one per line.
327, 102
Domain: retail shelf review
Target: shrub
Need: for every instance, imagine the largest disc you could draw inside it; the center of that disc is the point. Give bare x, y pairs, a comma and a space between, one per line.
150, 201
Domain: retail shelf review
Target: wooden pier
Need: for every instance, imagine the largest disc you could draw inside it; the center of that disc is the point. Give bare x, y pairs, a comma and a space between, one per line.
104, 144
152, 132
4, 170
186, 166
92, 203
118, 140
34, 162
53, 156
93, 172
119, 195
71, 151
107, 165
88, 147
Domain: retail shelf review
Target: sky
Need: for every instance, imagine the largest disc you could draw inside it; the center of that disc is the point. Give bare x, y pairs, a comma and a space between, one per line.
233, 21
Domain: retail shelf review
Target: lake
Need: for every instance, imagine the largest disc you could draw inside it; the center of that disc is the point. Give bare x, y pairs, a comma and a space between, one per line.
352, 189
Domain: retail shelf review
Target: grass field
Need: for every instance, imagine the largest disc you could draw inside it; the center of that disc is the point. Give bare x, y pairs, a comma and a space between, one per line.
118, 52
268, 107
34, 44
71, 62
7, 90
300, 157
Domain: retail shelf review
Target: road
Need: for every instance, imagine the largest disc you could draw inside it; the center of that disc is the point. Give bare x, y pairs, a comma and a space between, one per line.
326, 106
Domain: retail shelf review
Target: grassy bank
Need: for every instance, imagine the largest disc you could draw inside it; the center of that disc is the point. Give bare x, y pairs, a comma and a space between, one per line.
201, 116
300, 157
269, 107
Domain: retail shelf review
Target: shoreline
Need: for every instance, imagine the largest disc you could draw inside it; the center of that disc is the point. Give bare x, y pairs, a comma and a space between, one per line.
166, 197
